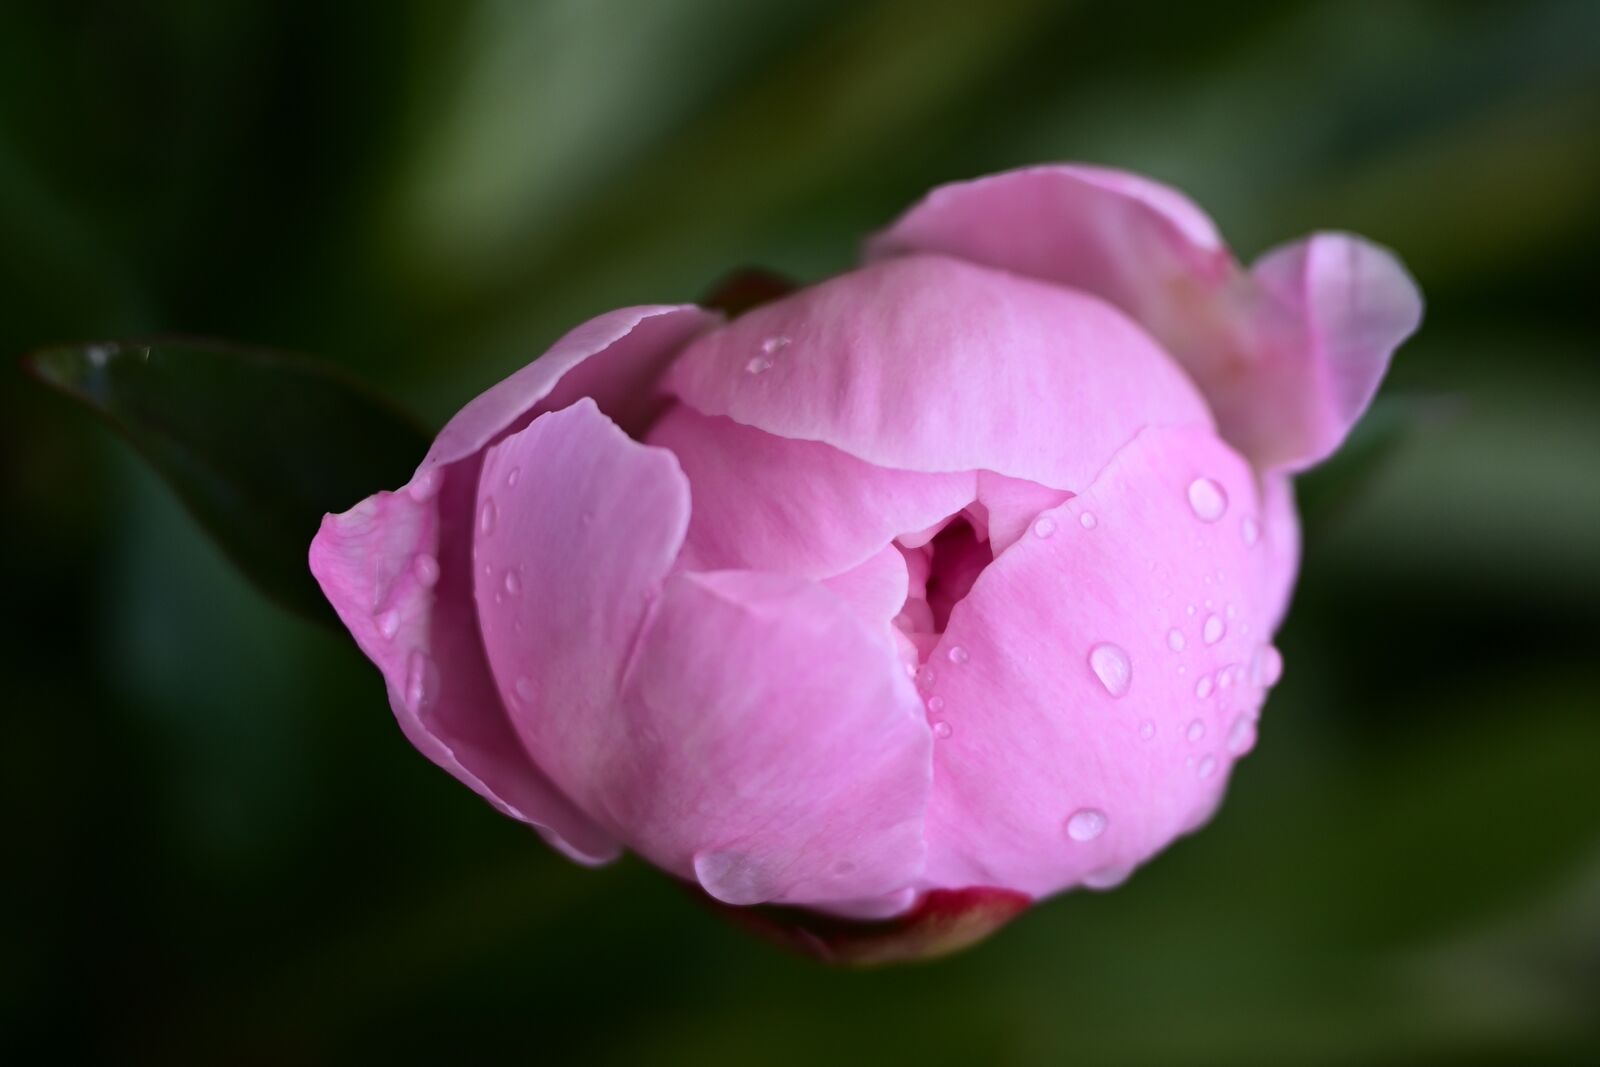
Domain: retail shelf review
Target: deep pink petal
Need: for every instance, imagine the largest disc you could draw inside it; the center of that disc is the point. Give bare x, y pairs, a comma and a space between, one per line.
774, 748
799, 507
1104, 674
397, 571
928, 363
577, 527
1288, 355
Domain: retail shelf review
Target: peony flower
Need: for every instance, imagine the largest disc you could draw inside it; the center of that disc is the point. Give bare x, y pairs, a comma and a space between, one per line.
923, 592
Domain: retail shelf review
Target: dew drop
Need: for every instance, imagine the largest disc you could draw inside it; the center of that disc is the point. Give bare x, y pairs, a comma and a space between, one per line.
426, 568
941, 729
512, 476
957, 654
1106, 878
1044, 527
936, 704
487, 516
1250, 530
524, 688
1266, 666
389, 624
1225, 678
1213, 630
925, 678
1110, 664
1203, 687
774, 344
1208, 767
1196, 731
1241, 735
1190, 609
1086, 824
911, 670
1175, 640
1088, 521
424, 486
422, 681
758, 365
513, 583
1147, 730
1208, 500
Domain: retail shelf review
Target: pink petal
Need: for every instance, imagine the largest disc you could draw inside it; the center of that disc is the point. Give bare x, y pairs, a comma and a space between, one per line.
769, 503
615, 359
877, 588
1083, 668
1288, 356
774, 748
565, 568
930, 364
1010, 506
398, 573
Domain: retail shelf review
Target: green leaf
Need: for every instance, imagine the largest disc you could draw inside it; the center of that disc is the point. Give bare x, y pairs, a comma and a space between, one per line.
259, 445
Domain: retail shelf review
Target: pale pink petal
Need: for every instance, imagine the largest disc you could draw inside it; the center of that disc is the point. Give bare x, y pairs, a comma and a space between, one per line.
398, 573
768, 503
928, 363
1288, 355
1104, 670
775, 749
877, 588
577, 527
1010, 506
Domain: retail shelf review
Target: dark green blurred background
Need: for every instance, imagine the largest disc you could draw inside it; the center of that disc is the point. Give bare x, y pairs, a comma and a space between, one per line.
218, 845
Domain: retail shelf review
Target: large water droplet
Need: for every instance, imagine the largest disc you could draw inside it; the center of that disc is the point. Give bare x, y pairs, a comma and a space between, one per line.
957, 654
936, 704
422, 681
1241, 735
1208, 767
774, 344
1203, 687
731, 877
1208, 499
1196, 731
1088, 521
524, 688
1111, 665
1213, 630
1086, 824
1266, 667
1044, 527
1175, 640
941, 729
389, 624
513, 583
486, 517
426, 568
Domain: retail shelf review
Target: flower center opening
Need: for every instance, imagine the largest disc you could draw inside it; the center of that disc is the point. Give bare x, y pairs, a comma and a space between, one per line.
942, 572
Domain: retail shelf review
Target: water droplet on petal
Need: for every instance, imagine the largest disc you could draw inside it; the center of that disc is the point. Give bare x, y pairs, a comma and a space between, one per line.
422, 681
1190, 609
957, 654
758, 365
1250, 530
1110, 664
513, 583
911, 670
1044, 527
1086, 824
925, 677
1088, 521
424, 486
1147, 729
524, 688
389, 624
1266, 667
936, 704
774, 344
1208, 499
426, 568
1231, 612
731, 877
1106, 877
941, 729
1196, 731
511, 477
1214, 629
486, 517
1225, 677
1241, 735
1208, 767
1175, 640
1203, 687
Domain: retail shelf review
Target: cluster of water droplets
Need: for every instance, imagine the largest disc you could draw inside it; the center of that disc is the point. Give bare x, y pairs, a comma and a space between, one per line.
762, 361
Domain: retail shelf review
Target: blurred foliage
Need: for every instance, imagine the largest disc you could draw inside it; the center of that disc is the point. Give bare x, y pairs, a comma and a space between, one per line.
222, 849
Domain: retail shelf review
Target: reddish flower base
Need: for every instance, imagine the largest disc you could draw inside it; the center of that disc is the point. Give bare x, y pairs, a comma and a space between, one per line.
942, 921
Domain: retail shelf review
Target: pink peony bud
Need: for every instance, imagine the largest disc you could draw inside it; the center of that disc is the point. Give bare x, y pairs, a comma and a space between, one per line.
899, 601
